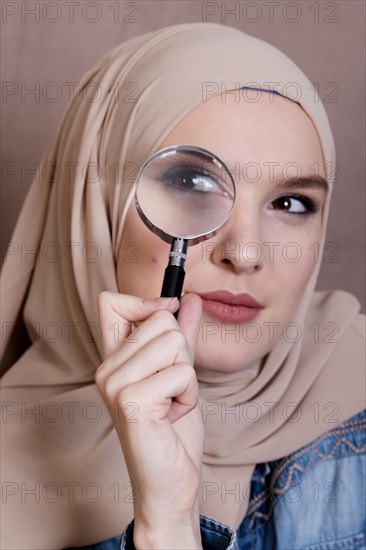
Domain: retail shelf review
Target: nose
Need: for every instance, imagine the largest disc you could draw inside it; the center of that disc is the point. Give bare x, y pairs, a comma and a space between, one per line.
237, 246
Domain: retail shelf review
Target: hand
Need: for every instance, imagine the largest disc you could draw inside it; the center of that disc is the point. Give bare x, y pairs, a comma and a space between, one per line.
151, 368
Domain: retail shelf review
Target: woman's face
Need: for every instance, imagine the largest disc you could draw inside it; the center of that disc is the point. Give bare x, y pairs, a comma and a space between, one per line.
262, 139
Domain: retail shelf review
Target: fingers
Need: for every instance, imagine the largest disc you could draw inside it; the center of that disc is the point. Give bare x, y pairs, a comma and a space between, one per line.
118, 311
189, 319
154, 375
159, 353
154, 394
159, 322
163, 342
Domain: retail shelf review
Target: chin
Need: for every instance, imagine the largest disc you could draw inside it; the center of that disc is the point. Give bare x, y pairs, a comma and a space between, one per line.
224, 358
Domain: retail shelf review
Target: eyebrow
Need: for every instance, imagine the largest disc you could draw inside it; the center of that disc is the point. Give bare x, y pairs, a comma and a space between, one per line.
312, 182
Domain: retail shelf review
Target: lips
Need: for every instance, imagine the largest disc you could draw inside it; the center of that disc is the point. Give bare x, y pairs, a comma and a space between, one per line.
230, 307
226, 297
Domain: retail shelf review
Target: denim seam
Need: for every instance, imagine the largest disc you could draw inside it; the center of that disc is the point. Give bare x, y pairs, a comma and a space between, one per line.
267, 493
327, 435
358, 539
123, 540
277, 471
313, 446
211, 523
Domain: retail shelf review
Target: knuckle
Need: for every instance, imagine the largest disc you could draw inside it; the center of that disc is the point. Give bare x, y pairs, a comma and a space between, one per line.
177, 337
104, 298
189, 371
100, 374
164, 318
126, 395
110, 386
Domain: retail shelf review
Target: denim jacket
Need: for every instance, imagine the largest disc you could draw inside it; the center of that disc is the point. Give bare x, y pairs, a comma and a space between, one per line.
312, 499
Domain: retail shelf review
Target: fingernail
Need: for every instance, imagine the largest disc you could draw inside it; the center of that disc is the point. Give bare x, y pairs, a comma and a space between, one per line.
167, 301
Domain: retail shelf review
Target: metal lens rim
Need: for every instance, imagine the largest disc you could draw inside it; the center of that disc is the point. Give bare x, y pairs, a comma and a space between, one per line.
197, 237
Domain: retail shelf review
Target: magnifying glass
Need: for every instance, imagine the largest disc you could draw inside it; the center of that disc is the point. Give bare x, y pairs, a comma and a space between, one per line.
184, 194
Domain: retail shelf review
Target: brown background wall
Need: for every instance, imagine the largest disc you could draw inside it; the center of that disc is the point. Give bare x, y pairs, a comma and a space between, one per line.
47, 45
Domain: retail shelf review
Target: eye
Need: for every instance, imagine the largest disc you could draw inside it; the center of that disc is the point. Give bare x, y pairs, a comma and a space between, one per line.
295, 204
187, 178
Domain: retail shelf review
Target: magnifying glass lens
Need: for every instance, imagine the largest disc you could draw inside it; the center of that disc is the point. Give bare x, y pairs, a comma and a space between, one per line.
185, 192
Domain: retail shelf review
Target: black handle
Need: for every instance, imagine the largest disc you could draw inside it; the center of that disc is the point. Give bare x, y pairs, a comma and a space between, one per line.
173, 283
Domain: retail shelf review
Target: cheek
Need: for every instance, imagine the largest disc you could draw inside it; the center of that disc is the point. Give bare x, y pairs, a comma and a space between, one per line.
297, 259
142, 258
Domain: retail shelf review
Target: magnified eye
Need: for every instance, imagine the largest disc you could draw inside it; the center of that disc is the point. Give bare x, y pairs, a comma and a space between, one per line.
189, 178
294, 205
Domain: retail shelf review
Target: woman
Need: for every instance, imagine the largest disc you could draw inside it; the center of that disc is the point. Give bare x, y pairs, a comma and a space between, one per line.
260, 409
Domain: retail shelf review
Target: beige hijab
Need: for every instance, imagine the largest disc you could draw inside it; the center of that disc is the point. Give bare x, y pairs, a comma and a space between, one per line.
63, 471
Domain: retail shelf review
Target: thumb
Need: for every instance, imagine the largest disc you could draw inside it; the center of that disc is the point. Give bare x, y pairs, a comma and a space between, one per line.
189, 319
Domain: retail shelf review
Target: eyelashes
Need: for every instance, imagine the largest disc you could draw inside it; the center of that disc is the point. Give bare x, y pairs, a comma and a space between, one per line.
307, 205
189, 178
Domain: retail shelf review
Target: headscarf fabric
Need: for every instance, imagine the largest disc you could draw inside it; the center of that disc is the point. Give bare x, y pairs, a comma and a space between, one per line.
65, 481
